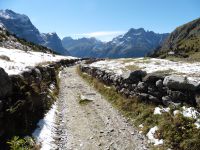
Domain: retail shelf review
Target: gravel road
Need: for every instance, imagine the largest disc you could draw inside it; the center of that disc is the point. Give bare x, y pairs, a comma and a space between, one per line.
94, 125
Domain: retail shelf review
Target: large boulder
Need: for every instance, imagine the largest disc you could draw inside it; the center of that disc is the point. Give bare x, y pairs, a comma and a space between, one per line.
136, 76
5, 84
180, 83
152, 78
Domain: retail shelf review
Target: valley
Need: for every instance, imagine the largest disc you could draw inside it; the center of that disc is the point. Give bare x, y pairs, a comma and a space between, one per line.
114, 75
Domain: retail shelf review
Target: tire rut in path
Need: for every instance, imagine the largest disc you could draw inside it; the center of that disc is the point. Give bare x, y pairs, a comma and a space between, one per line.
92, 126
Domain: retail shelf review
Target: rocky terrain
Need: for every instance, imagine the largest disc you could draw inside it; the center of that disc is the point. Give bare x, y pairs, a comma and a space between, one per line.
22, 27
134, 43
183, 42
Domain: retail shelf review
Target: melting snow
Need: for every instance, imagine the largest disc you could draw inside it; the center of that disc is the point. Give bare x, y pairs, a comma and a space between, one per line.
111, 66
21, 60
46, 130
159, 111
197, 123
151, 137
190, 112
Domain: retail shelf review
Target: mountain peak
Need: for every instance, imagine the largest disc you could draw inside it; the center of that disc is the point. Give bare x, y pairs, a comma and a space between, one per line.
136, 30
9, 14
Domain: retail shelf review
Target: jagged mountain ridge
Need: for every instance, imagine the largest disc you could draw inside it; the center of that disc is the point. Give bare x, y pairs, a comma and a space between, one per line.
183, 42
135, 43
22, 27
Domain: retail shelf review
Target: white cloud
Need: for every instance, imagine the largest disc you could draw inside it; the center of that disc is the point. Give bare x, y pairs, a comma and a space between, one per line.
102, 35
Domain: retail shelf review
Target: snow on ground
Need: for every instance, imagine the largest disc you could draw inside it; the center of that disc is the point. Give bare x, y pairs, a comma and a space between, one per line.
190, 112
109, 65
159, 111
21, 60
150, 65
46, 130
151, 137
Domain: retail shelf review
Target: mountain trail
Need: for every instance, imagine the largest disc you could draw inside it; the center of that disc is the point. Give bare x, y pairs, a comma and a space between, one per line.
88, 122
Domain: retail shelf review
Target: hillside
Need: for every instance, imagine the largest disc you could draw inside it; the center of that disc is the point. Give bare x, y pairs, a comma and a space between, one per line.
135, 43
10, 41
22, 27
183, 42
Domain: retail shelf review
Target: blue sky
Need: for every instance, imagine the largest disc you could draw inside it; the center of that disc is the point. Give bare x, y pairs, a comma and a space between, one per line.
104, 19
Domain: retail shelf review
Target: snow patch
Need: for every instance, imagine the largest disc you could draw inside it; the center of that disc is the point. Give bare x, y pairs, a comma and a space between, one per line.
197, 123
190, 112
21, 61
151, 137
176, 112
110, 66
159, 111
46, 130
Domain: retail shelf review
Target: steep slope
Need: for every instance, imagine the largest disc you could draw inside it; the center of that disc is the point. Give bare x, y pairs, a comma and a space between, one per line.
84, 47
53, 41
10, 41
21, 26
135, 43
184, 41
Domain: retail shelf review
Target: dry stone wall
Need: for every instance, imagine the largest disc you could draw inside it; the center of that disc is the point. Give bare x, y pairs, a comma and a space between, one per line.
156, 88
25, 98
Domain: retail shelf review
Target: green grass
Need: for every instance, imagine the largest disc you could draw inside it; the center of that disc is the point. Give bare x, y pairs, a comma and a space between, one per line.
26, 143
178, 132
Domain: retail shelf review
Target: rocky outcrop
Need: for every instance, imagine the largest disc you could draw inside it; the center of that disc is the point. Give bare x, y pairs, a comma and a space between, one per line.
152, 88
25, 98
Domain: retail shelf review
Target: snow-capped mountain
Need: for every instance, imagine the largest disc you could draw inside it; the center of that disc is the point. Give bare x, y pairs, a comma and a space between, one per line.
21, 26
135, 43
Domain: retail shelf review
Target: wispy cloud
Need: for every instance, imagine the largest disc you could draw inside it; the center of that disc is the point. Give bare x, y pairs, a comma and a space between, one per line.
102, 35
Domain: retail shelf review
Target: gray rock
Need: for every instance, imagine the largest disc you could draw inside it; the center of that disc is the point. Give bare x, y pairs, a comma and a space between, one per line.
142, 87
154, 99
166, 100
1, 105
177, 96
143, 96
136, 76
197, 99
5, 84
180, 83
159, 84
152, 78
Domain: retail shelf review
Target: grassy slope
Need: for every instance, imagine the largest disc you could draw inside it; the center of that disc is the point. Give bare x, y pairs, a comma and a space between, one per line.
184, 41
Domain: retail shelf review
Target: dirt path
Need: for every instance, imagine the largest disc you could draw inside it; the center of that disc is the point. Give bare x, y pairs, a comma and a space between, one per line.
92, 126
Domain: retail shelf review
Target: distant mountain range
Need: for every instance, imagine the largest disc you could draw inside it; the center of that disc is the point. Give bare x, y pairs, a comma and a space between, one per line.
135, 43
21, 26
183, 42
